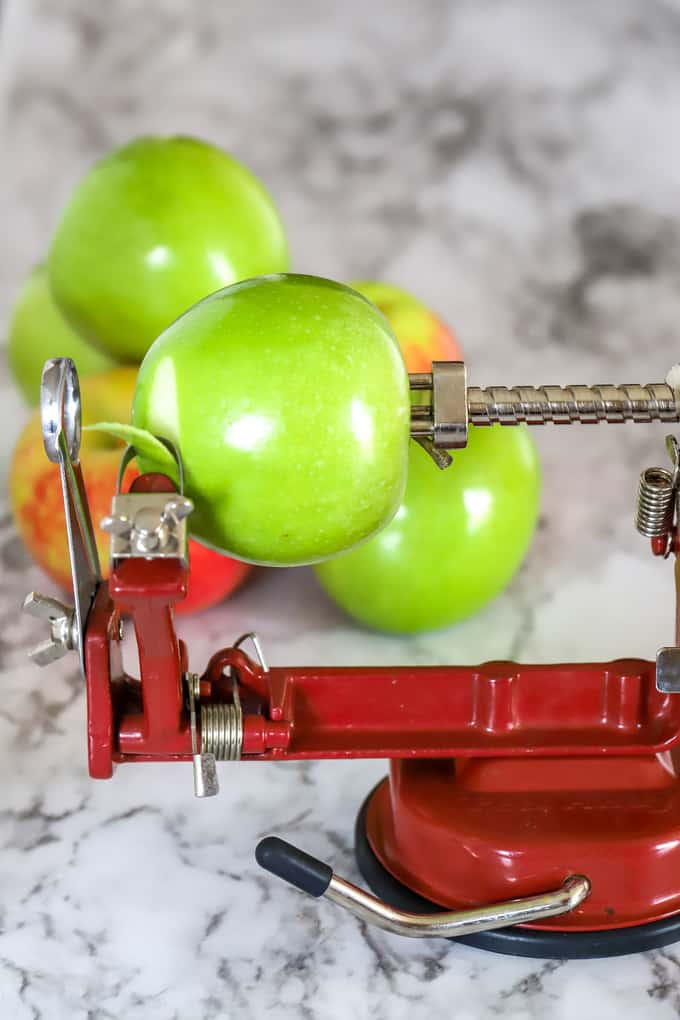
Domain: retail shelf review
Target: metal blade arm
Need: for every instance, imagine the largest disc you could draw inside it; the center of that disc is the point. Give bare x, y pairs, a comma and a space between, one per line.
60, 413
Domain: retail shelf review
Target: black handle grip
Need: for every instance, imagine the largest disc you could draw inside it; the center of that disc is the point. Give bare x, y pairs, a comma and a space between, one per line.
293, 865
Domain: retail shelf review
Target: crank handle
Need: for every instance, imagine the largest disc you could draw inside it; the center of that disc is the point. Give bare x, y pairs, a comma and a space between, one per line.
316, 878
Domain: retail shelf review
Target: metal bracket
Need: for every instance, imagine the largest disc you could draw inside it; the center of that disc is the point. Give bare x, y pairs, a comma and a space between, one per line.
206, 783
668, 670
151, 525
148, 524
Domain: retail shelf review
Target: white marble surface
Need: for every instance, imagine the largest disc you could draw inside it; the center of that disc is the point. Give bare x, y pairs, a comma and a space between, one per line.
516, 164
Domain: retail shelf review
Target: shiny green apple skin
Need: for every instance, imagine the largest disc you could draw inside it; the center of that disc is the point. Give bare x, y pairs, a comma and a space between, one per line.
455, 542
287, 397
154, 227
38, 331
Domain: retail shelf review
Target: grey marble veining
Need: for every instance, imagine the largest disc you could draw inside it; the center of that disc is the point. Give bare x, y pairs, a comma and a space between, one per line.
516, 165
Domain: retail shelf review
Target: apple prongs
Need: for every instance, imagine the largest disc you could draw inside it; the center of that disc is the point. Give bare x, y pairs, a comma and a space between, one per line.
442, 458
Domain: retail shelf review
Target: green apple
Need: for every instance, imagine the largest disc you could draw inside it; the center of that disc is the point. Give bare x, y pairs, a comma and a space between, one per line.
38, 331
151, 229
455, 542
288, 400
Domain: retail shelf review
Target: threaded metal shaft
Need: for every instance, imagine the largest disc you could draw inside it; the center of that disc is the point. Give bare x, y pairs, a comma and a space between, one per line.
562, 405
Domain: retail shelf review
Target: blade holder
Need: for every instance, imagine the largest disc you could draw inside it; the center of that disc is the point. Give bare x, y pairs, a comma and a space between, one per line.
151, 525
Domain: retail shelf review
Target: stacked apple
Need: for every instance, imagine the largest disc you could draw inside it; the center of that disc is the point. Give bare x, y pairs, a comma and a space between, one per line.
287, 397
459, 535
154, 227
301, 451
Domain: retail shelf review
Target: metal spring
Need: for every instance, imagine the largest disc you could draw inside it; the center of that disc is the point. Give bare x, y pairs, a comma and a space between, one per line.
222, 731
655, 508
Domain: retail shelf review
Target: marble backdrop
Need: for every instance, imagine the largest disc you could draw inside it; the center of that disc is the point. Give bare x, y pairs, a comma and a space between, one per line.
516, 164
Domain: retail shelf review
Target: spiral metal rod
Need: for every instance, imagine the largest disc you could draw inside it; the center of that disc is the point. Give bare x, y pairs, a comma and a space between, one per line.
562, 405
443, 415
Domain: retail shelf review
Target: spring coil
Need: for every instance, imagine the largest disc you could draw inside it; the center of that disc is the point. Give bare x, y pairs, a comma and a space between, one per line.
655, 508
222, 731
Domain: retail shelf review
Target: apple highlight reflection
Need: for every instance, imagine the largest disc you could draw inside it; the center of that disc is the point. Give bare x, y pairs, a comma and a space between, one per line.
362, 424
249, 433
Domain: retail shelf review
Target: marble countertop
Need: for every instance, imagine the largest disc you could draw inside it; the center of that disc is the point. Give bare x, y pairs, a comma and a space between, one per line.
516, 165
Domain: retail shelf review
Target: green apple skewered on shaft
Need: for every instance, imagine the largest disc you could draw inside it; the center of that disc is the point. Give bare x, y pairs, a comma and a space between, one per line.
288, 400
152, 228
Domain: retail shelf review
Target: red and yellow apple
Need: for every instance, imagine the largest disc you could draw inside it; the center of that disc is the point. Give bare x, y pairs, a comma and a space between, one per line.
459, 535
152, 228
38, 331
36, 497
423, 337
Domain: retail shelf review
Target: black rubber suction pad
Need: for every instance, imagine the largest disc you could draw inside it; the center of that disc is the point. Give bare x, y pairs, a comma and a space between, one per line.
286, 861
517, 941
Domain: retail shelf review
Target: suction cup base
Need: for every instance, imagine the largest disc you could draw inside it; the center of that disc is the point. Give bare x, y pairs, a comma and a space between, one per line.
517, 941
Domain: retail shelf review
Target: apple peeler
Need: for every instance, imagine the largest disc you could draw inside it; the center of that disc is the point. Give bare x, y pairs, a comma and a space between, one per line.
529, 809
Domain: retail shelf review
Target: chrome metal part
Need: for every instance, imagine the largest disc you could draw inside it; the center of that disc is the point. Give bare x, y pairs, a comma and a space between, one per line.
456, 923
60, 414
254, 639
442, 458
317, 879
449, 405
63, 627
655, 503
222, 730
565, 405
668, 670
454, 405
657, 498
221, 724
673, 450
206, 783
60, 410
148, 524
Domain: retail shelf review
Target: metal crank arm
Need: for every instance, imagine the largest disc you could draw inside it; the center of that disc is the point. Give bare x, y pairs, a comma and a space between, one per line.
316, 878
61, 428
